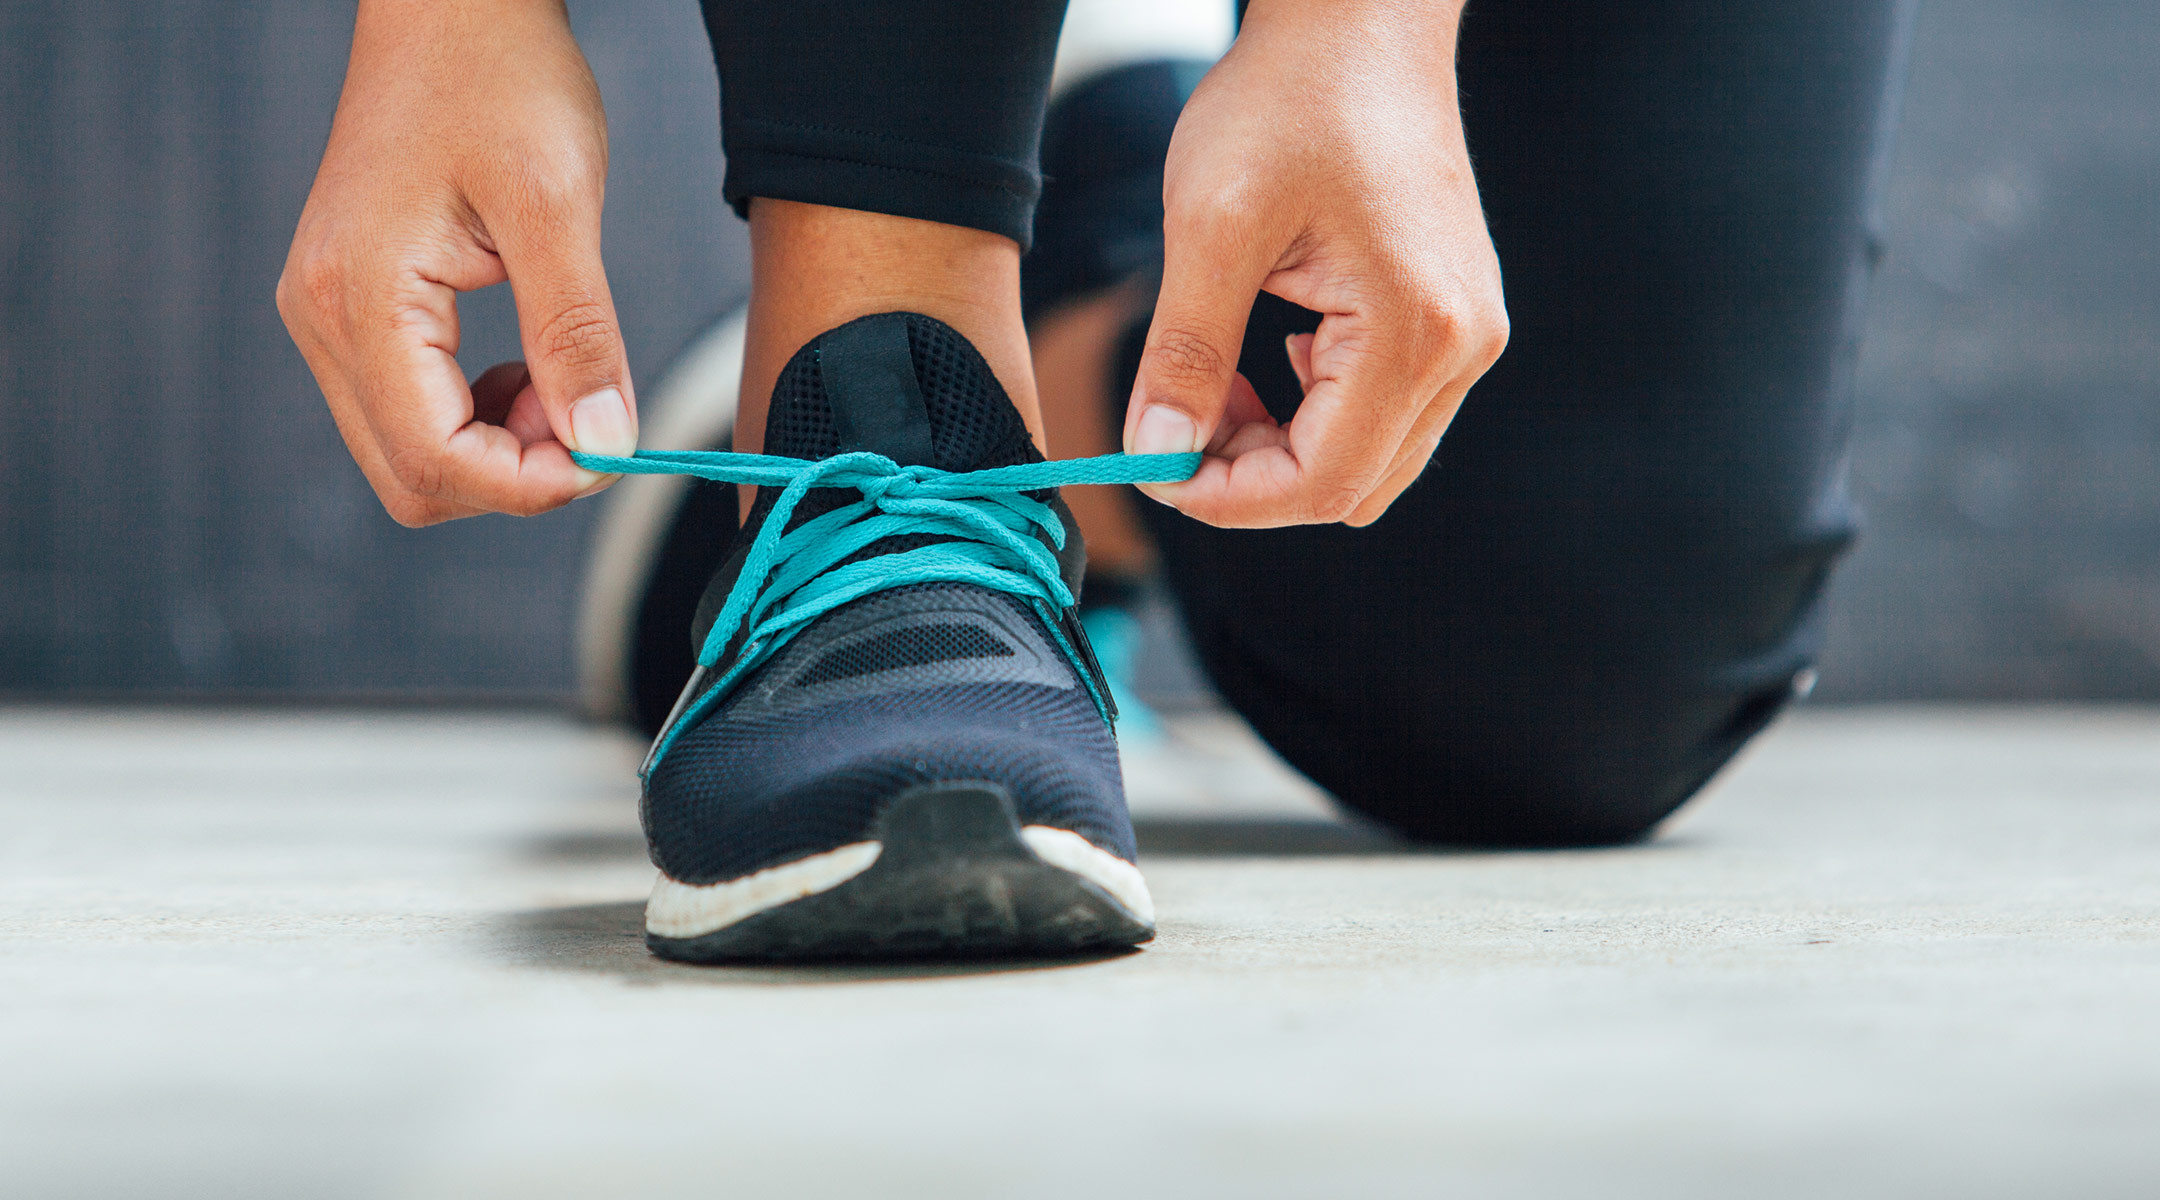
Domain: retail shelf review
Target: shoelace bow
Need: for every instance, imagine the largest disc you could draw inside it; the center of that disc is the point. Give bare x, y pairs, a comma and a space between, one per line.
791, 577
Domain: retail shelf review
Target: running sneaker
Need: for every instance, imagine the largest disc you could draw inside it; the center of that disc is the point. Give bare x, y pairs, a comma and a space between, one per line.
658, 540
925, 766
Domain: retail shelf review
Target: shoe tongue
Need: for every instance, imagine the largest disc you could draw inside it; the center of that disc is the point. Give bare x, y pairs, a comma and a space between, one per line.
902, 385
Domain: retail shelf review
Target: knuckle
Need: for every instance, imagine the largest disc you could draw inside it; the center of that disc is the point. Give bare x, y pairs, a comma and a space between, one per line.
533, 506
549, 191
313, 284
1455, 331
1497, 331
577, 165
409, 510
1185, 357
1220, 210
1334, 501
580, 336
287, 295
420, 474
1439, 326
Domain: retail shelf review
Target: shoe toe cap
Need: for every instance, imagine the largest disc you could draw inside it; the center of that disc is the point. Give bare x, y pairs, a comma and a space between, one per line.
736, 795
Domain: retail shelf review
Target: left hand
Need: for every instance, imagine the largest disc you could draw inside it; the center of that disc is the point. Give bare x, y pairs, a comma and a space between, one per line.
1321, 160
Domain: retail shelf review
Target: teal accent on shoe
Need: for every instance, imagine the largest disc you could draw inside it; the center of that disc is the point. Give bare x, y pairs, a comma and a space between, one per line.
791, 577
1116, 635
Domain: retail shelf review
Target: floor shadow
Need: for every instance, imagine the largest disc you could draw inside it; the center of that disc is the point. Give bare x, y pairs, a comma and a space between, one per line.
1336, 837
609, 939
586, 846
1264, 837
1160, 837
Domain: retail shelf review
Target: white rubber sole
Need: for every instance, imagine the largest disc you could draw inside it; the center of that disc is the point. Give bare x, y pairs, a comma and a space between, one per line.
688, 910
1064, 849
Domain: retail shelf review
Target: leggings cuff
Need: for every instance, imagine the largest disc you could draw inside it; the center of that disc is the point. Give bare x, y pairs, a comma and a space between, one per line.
873, 173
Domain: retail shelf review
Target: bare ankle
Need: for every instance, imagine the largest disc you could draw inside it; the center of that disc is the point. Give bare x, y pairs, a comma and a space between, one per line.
815, 267
1074, 345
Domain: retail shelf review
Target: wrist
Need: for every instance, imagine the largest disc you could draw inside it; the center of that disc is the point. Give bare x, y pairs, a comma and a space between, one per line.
438, 11
1406, 28
417, 24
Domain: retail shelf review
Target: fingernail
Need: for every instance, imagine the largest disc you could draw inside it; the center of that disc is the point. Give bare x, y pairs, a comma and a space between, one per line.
601, 424
1164, 430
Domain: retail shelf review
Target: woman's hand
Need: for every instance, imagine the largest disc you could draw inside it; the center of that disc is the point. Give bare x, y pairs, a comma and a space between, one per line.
1321, 160
469, 148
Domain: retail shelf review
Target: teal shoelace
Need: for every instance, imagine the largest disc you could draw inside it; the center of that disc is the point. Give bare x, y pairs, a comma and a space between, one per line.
790, 577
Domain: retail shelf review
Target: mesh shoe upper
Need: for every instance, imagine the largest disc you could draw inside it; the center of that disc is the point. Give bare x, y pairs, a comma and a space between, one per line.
923, 683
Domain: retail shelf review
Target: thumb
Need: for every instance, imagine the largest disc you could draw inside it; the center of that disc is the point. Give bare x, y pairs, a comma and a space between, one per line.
573, 342
1190, 364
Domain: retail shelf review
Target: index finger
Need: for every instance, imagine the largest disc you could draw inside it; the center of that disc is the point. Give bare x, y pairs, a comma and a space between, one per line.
420, 410
1336, 450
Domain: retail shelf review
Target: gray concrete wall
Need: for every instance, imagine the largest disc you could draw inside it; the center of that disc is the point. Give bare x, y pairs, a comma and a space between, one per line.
179, 516
2008, 446
179, 513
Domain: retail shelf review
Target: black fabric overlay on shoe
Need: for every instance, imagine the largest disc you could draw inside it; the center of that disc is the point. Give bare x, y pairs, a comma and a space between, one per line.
699, 539
914, 646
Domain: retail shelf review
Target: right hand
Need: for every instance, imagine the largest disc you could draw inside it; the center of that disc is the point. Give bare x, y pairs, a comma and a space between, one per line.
469, 148
1321, 160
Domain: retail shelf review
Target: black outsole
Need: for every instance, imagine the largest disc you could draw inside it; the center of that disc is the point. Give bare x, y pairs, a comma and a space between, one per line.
953, 880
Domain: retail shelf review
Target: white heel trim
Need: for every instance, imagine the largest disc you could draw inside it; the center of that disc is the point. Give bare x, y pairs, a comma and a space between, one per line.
1066, 850
688, 910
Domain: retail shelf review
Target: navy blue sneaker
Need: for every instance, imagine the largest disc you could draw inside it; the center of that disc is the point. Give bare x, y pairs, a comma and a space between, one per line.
1099, 225
926, 769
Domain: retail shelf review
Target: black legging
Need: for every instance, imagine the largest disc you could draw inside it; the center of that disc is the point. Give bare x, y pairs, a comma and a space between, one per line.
1611, 576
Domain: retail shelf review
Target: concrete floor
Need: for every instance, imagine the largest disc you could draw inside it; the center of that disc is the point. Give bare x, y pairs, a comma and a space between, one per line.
390, 954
